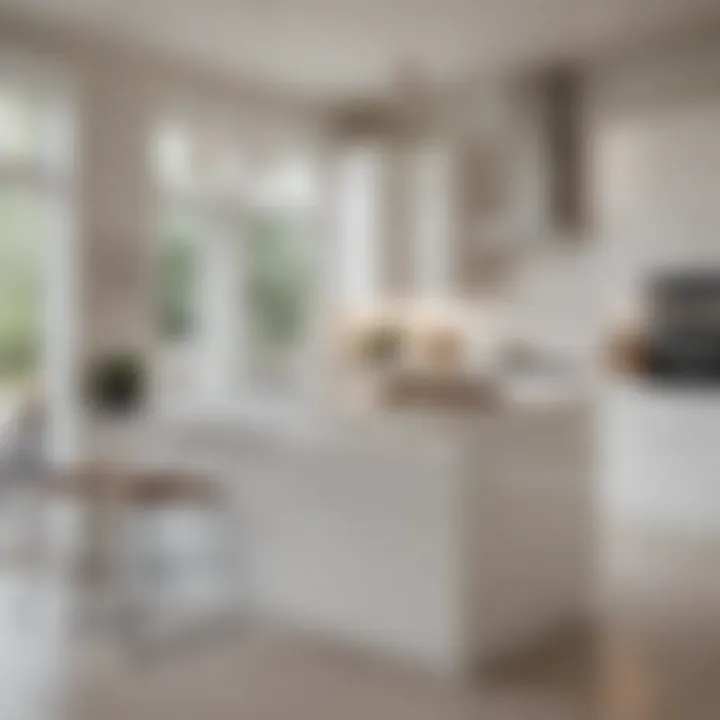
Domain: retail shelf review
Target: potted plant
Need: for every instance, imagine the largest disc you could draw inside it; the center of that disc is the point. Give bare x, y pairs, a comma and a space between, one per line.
116, 383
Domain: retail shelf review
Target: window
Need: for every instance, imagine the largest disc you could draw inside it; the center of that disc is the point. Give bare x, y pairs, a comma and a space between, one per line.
177, 285
21, 126
277, 257
235, 255
34, 180
21, 287
276, 294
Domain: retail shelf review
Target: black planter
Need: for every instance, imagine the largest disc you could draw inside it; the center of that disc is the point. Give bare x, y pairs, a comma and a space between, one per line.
116, 384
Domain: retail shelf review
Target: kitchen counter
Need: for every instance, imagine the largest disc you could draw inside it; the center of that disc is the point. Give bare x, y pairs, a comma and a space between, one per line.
444, 538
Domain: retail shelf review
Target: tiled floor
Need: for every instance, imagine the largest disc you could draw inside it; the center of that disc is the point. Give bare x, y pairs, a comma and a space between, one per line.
654, 656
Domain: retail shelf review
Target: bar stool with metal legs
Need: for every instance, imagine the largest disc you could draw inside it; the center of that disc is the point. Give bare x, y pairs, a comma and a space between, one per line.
152, 536
125, 509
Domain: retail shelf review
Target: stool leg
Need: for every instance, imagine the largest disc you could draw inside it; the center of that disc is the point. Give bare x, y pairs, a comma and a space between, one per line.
140, 573
230, 553
81, 567
128, 618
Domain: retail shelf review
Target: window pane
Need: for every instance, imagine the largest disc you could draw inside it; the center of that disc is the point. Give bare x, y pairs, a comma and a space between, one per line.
196, 162
34, 129
277, 293
177, 308
286, 182
21, 284
178, 278
173, 156
17, 129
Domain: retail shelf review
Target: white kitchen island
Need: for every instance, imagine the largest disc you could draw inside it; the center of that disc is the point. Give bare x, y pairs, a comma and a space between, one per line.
442, 538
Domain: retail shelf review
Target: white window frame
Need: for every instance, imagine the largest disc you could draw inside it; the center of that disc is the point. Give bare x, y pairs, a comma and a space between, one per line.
225, 389
52, 178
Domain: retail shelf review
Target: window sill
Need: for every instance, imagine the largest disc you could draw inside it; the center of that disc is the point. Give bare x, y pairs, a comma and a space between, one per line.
271, 416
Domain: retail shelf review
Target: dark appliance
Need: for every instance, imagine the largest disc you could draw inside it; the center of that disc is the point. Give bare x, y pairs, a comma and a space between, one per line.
684, 327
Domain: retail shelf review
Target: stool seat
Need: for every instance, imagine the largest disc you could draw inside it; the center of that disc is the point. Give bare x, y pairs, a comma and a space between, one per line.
172, 487
136, 485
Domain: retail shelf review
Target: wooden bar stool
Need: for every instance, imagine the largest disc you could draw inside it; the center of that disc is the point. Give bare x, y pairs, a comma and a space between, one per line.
149, 496
125, 508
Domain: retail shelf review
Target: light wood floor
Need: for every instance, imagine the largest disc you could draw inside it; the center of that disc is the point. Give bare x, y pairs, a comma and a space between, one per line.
654, 655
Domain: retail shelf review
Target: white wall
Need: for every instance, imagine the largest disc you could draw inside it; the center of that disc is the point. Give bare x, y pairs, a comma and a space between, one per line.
655, 161
657, 144
654, 164
658, 174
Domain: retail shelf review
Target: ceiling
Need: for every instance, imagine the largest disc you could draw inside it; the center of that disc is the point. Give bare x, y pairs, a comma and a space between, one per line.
344, 48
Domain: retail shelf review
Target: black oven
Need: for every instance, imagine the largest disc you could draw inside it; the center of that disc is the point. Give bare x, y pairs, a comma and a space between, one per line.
684, 327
